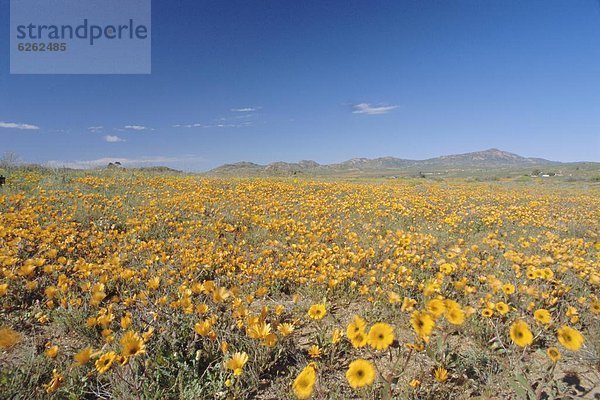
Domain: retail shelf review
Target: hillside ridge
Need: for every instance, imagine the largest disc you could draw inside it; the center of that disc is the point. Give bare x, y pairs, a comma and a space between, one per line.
486, 159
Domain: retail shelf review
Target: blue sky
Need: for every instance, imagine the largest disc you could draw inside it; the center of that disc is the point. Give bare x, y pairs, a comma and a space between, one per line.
271, 80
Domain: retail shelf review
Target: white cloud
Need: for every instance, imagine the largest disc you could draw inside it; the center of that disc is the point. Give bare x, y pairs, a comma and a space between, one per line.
196, 125
127, 162
137, 127
246, 109
95, 129
231, 121
13, 125
113, 139
219, 125
366, 108
242, 125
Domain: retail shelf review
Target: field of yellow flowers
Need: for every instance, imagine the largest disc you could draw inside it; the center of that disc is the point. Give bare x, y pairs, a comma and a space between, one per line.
131, 285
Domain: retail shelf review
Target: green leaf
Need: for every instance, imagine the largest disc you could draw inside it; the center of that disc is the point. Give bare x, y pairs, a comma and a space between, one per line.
440, 345
385, 392
519, 390
526, 387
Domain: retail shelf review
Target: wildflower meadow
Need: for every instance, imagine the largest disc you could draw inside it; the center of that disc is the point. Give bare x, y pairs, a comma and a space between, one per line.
137, 285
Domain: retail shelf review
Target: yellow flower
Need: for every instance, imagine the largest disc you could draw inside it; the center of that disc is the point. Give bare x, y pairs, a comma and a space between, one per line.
236, 362
431, 288
105, 319
285, 329
595, 307
553, 353
42, 318
3, 289
393, 297
487, 312
50, 291
55, 383
407, 304
224, 346
508, 289
259, 330
436, 308
570, 338
153, 283
279, 309
304, 383
148, 334
357, 325
270, 340
542, 316
469, 311
441, 374
317, 311
520, 333
414, 383
220, 294
548, 273
381, 335
262, 291
451, 304
264, 312
105, 361
359, 339
446, 268
203, 328
422, 323
9, 338
83, 356
314, 351
336, 336
502, 308
126, 321
360, 373
107, 335
202, 308
133, 344
573, 314
415, 346
51, 351
455, 315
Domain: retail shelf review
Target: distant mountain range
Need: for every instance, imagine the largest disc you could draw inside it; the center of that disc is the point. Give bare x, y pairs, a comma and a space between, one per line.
479, 160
